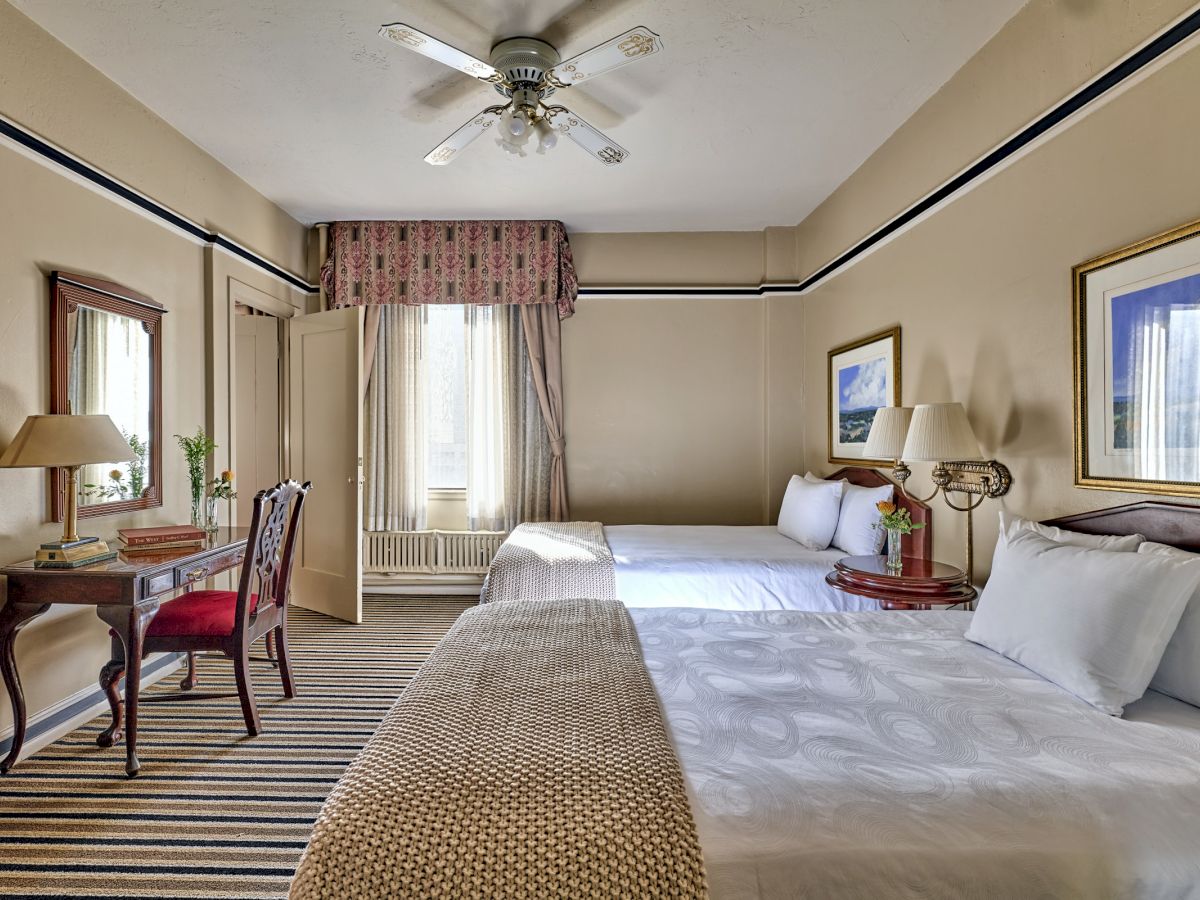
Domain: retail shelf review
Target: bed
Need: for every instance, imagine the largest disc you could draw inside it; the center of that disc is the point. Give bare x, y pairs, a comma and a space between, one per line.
728, 566
826, 755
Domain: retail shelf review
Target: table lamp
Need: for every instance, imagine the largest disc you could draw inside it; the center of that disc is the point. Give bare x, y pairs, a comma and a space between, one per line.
940, 433
69, 442
889, 428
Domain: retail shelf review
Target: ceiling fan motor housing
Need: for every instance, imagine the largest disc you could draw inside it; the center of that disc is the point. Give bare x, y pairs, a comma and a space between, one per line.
524, 63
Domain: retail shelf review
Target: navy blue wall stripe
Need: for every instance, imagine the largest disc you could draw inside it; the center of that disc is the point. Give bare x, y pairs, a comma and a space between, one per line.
98, 178
1164, 43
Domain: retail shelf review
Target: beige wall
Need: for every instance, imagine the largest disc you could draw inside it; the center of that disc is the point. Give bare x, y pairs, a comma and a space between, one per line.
682, 410
982, 288
56, 94
54, 222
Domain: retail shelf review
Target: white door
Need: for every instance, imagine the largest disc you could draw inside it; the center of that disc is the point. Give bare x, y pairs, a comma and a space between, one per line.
325, 422
256, 456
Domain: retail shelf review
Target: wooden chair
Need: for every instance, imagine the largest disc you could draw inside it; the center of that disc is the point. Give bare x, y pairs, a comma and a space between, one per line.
231, 621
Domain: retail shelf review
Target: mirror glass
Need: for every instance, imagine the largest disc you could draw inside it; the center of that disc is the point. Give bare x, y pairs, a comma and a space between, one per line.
109, 371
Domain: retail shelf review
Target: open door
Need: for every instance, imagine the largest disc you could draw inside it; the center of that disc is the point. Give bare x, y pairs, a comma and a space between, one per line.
325, 424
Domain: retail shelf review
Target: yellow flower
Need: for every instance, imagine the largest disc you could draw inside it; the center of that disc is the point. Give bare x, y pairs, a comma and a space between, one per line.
115, 474
886, 507
227, 476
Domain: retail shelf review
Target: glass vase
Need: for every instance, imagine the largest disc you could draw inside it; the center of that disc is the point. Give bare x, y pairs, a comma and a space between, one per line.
210, 515
895, 558
197, 511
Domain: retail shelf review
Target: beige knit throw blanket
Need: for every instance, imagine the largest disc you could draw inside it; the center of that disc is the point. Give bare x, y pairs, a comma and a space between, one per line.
552, 561
528, 758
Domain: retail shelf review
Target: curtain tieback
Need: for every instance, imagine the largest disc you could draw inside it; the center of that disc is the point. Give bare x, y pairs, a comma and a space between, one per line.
558, 447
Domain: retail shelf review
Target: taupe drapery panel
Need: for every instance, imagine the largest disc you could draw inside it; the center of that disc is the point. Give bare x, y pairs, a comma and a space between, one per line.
543, 339
508, 449
395, 497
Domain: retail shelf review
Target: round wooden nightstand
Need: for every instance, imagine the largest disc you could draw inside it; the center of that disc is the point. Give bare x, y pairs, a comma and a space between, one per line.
921, 584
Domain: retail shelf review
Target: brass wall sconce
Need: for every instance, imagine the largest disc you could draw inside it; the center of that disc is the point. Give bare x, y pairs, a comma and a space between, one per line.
939, 433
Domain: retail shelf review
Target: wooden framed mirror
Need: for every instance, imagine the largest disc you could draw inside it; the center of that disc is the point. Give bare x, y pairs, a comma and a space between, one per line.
106, 357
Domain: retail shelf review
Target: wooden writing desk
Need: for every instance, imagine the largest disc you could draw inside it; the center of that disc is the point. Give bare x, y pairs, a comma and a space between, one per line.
126, 592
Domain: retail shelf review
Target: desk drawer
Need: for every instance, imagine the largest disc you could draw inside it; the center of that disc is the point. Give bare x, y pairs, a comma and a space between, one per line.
201, 569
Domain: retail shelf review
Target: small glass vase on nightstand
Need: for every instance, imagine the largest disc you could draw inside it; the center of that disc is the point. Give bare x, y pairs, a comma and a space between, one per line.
895, 560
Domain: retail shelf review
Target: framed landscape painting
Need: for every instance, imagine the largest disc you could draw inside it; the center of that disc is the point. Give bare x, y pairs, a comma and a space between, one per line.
863, 376
1137, 367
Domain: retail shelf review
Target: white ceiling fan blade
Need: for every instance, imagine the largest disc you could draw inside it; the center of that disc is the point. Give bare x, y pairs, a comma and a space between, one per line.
625, 48
411, 38
448, 149
594, 142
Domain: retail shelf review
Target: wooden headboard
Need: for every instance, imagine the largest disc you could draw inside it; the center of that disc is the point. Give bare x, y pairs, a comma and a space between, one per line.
919, 544
1166, 523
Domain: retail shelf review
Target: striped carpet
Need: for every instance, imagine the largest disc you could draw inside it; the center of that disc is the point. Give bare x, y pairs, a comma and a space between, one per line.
213, 813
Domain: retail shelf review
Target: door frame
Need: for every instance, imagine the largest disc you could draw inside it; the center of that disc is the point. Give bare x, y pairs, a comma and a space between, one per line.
226, 290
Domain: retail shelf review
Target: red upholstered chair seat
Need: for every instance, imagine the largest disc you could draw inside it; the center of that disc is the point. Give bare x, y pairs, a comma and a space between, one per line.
199, 613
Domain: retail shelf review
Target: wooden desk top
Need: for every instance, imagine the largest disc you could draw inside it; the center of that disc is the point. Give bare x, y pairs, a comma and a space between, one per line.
132, 565
130, 579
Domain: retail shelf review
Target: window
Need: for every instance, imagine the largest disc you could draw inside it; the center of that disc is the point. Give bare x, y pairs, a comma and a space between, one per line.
446, 372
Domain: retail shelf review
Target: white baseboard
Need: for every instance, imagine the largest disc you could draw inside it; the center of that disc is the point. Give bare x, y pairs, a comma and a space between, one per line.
48, 725
424, 585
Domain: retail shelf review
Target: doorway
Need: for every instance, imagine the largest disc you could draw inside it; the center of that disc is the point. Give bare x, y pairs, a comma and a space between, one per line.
258, 441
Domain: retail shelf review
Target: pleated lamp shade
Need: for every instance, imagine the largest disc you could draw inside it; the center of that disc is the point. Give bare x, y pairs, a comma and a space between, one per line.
61, 440
940, 432
888, 431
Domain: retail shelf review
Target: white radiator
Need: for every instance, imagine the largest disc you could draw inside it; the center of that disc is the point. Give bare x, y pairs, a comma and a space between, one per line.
430, 552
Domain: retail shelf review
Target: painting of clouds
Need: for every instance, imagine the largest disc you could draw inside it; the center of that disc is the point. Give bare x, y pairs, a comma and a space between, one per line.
863, 376
862, 389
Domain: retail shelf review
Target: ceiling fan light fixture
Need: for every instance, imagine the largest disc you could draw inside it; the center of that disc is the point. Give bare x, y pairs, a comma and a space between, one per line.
547, 136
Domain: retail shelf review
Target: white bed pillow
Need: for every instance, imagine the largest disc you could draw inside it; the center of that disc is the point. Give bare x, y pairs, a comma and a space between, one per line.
1010, 524
856, 533
1179, 672
1094, 622
809, 512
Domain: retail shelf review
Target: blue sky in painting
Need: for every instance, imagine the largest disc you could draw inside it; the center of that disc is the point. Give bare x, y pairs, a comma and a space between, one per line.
863, 386
1128, 310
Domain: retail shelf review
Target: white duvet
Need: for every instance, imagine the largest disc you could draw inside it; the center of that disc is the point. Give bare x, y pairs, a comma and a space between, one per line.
727, 566
882, 755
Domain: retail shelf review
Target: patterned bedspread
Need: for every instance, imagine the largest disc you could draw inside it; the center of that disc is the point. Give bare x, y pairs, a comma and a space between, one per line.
881, 755
527, 759
552, 561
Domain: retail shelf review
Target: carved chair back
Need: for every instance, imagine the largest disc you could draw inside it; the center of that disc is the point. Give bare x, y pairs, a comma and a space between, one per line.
270, 548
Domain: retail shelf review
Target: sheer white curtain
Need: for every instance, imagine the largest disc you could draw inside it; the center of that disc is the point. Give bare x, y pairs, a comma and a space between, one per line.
508, 449
487, 450
395, 494
1165, 391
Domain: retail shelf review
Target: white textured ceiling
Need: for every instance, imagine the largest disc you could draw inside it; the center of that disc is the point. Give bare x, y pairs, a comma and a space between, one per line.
753, 114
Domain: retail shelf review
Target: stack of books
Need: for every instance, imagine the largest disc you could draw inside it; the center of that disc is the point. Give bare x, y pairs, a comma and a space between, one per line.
163, 537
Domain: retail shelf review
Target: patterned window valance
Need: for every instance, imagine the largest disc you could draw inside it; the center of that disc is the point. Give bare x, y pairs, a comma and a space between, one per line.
479, 262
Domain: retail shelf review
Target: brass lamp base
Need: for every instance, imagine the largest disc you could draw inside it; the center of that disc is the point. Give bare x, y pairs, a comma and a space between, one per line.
72, 554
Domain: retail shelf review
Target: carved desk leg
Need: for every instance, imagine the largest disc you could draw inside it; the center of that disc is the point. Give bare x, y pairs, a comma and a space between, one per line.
13, 618
110, 676
130, 625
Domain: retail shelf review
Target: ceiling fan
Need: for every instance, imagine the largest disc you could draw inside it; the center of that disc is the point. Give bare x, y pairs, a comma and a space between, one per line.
527, 71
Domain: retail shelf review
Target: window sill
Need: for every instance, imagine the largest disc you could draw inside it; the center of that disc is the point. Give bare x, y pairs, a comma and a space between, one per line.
447, 493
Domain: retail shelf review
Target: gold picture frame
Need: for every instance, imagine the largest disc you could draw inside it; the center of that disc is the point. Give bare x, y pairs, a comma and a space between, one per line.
879, 356
1127, 437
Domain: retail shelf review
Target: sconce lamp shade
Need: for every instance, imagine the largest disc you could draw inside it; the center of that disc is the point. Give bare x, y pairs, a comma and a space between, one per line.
65, 440
940, 432
888, 431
